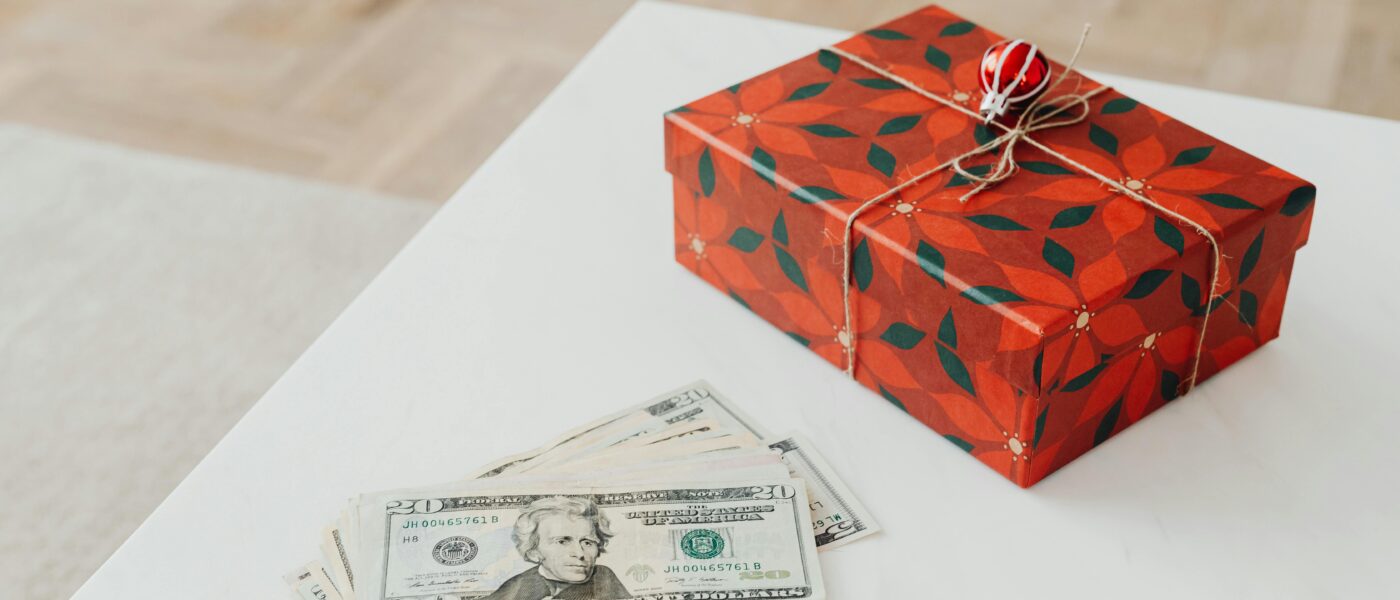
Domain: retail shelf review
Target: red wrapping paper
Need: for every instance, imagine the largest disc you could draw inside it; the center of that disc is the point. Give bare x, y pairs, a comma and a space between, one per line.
1027, 325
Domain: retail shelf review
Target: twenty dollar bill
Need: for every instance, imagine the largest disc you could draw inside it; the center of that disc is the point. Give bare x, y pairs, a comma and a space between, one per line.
837, 517
699, 540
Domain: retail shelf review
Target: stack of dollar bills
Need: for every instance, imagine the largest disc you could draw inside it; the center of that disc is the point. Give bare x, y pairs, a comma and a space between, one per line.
681, 497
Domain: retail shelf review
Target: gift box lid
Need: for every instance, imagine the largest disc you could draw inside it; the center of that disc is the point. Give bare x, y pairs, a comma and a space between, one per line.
1043, 250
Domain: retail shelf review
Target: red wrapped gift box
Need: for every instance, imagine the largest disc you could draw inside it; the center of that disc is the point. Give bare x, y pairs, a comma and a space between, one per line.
1028, 324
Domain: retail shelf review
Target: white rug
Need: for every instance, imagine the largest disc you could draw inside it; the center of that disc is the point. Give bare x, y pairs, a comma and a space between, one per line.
146, 302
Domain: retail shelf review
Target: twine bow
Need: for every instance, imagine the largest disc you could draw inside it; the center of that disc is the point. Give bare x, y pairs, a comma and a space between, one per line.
1036, 117
1039, 115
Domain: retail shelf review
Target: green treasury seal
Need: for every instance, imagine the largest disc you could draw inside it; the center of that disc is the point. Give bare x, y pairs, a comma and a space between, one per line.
702, 543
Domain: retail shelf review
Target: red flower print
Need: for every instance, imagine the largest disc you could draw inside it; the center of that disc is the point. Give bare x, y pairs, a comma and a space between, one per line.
1091, 329
921, 213
757, 114
820, 319
943, 122
1135, 379
1142, 168
935, 74
700, 246
991, 426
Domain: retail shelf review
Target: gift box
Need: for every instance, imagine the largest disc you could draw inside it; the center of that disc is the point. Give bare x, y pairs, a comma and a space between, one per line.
1026, 322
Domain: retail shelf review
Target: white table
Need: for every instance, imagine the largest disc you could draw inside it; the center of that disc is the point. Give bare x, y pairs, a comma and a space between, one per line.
545, 294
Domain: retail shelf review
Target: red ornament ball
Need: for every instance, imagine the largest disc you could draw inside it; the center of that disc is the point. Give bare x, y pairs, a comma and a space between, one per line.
1013, 74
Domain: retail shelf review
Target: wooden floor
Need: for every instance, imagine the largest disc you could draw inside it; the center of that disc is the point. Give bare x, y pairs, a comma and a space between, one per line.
409, 96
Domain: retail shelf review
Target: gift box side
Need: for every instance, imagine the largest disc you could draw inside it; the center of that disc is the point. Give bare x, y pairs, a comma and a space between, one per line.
751, 252
1079, 415
1172, 293
1087, 397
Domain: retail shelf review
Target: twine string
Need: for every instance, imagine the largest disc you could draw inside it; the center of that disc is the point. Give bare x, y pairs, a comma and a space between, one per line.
1039, 115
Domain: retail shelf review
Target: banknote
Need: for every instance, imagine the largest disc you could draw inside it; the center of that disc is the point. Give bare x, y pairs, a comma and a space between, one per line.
647, 478
679, 431
617, 456
312, 582
692, 402
681, 540
338, 540
837, 517
335, 551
